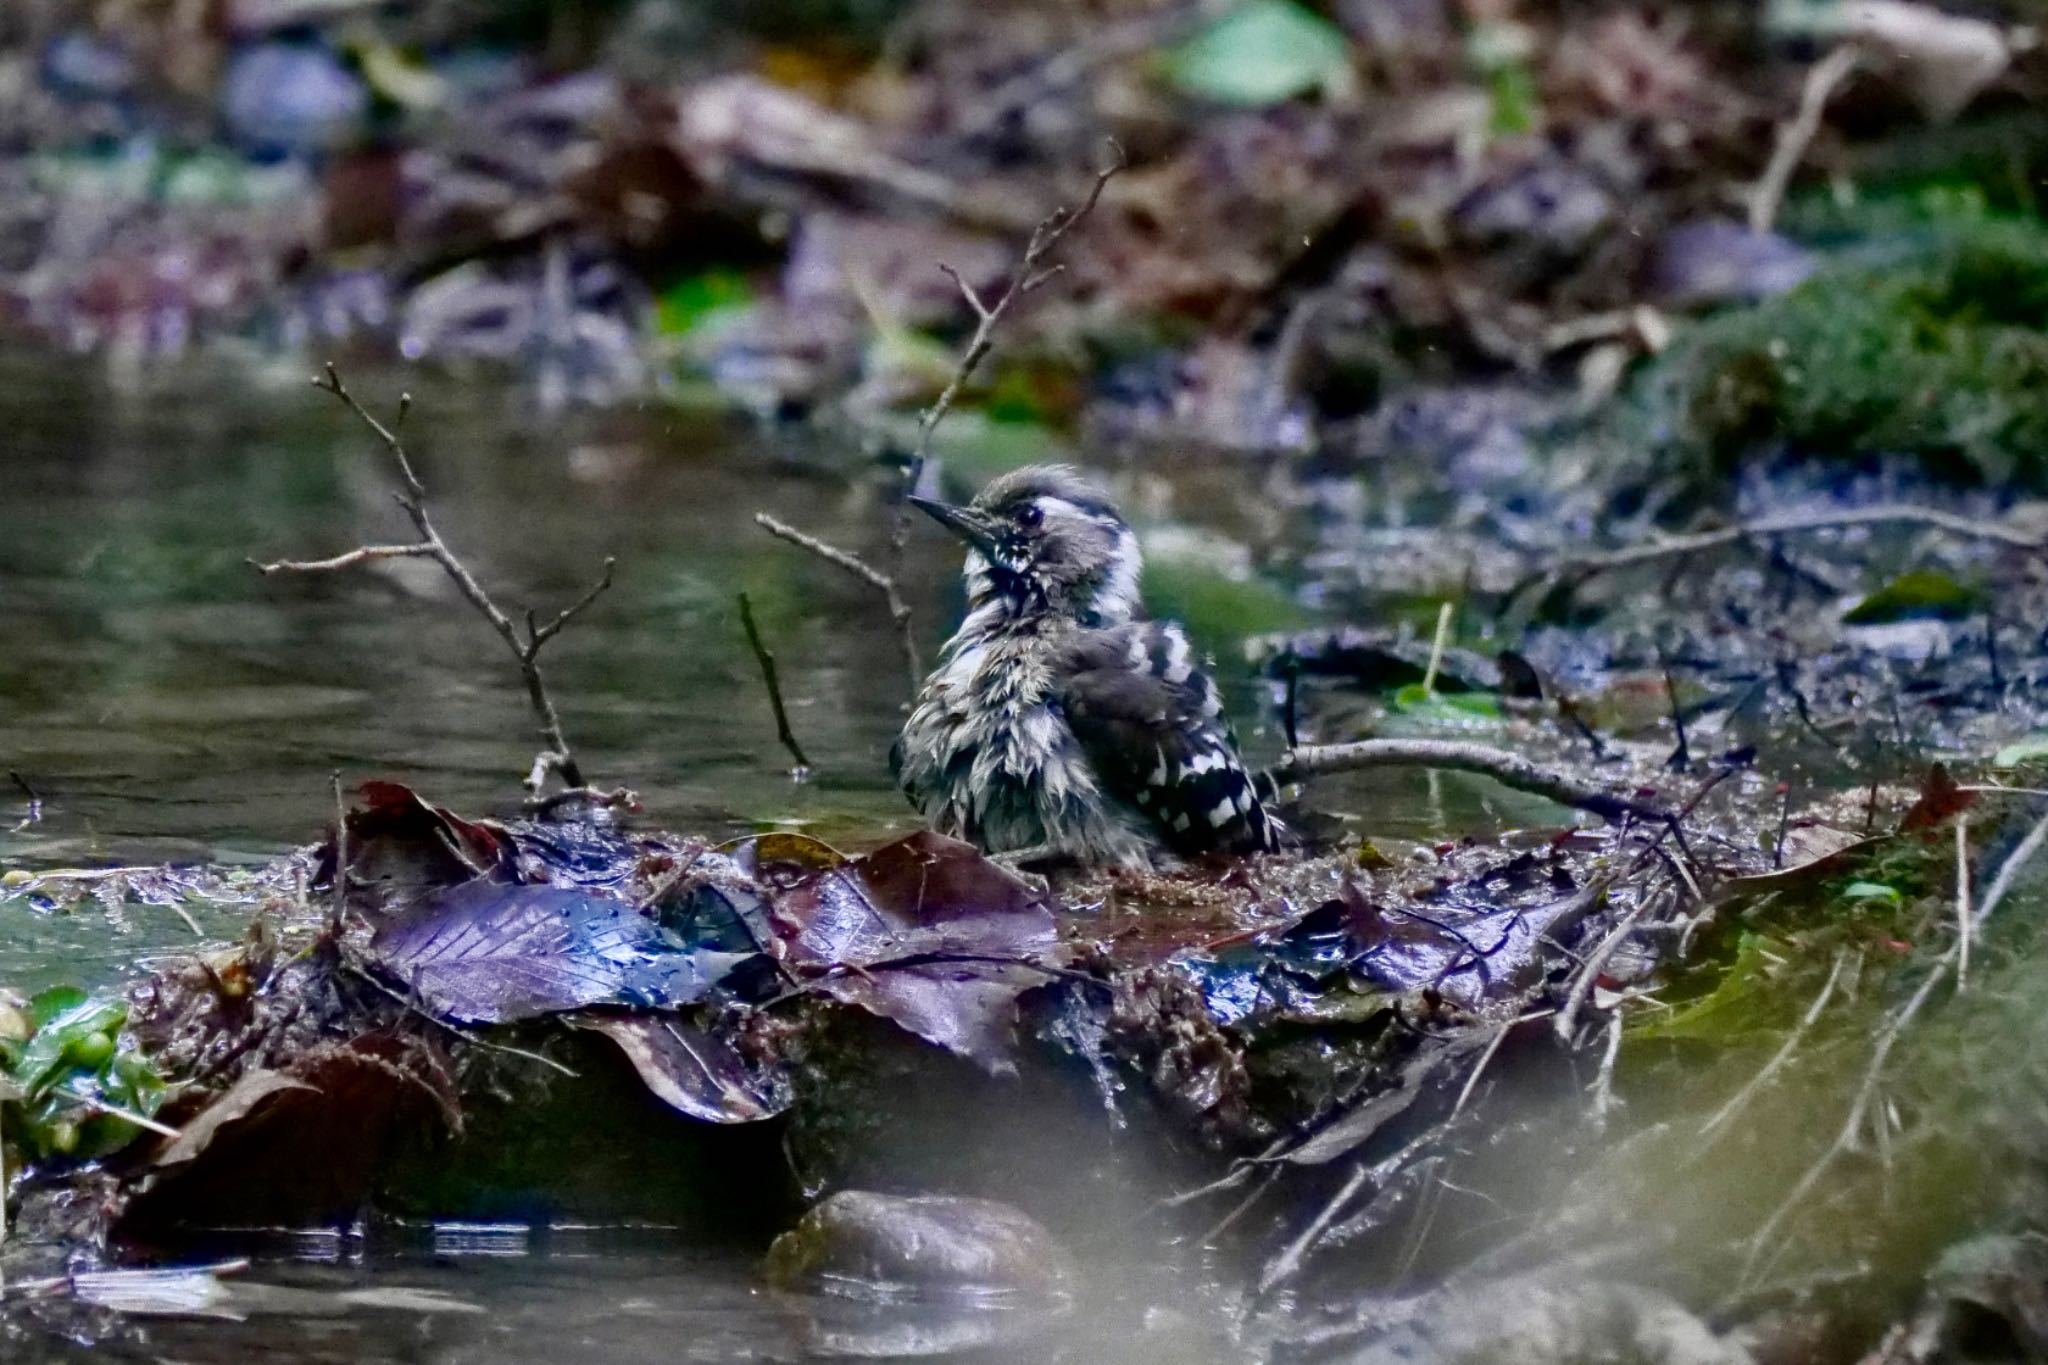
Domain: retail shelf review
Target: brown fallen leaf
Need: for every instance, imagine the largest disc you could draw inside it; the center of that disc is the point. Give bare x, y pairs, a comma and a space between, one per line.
688, 1069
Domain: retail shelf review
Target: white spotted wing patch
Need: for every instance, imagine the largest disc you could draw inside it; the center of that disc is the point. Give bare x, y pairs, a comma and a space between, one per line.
1150, 724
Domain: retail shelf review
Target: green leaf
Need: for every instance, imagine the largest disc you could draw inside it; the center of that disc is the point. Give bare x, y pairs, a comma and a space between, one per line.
698, 303
1261, 53
1462, 710
1872, 891
1919, 595
2029, 750
53, 1002
1735, 1006
67, 1037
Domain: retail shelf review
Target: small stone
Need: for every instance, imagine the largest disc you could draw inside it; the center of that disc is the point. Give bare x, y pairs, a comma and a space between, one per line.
859, 1241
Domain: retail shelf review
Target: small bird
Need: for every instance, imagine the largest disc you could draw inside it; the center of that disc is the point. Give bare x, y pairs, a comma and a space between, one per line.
1059, 722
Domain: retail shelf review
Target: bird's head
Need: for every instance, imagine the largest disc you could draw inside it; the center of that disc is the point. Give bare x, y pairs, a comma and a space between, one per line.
1046, 539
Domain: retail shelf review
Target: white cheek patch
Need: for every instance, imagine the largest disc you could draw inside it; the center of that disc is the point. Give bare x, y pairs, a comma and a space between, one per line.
1178, 664
1118, 596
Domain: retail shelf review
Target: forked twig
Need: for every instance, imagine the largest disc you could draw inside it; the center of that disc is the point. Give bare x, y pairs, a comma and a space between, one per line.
774, 686
1031, 272
557, 759
892, 597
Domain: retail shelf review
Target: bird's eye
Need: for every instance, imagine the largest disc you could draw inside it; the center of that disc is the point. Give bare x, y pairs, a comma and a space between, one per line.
1030, 516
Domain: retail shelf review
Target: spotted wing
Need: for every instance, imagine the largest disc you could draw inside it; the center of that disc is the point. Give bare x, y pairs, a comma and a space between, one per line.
1151, 724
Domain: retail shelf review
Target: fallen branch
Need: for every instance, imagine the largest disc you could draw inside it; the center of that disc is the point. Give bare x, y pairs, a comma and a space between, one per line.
1579, 568
1510, 770
557, 759
892, 597
1796, 135
1031, 272
774, 685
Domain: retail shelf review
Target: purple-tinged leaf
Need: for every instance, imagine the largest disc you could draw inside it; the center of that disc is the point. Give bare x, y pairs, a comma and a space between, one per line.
491, 954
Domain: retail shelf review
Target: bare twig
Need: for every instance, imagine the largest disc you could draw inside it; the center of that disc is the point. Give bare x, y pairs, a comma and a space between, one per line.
1603, 1080
1291, 1257
2010, 870
617, 798
899, 611
1796, 135
1436, 649
1965, 926
557, 758
340, 882
1511, 770
142, 1121
1500, 1035
774, 685
1031, 272
1581, 985
1582, 567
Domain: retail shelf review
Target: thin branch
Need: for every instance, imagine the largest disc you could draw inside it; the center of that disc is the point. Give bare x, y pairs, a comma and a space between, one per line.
899, 611
557, 758
1588, 974
1511, 770
1295, 1253
1887, 514
1029, 275
142, 1121
536, 636
1603, 1080
1796, 135
339, 887
1965, 926
2010, 871
774, 685
361, 555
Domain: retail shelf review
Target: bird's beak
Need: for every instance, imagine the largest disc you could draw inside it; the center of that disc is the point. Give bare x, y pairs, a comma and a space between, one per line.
964, 522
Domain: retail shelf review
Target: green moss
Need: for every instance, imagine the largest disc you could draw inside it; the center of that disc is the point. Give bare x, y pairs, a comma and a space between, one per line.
1934, 348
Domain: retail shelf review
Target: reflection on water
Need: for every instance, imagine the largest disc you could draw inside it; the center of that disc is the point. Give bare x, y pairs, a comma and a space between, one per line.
635, 1298
164, 700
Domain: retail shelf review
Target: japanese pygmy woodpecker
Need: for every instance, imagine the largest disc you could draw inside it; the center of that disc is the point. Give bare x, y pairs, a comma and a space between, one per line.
1059, 722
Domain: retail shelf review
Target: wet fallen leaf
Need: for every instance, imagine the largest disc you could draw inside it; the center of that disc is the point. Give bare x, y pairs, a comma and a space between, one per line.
488, 953
688, 1069
240, 1100
397, 837
296, 1144
925, 932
